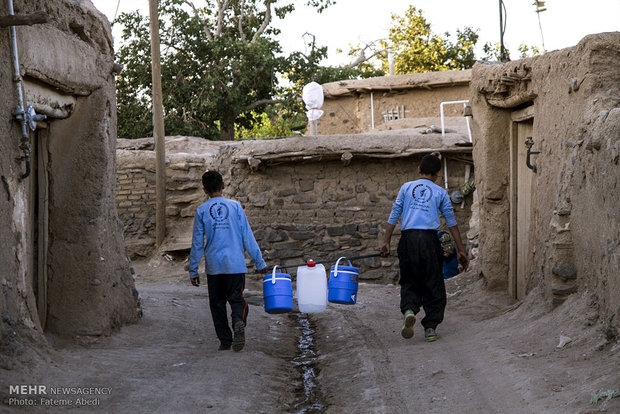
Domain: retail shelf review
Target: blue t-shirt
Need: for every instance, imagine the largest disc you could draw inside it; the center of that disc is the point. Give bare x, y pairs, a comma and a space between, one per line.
420, 202
221, 232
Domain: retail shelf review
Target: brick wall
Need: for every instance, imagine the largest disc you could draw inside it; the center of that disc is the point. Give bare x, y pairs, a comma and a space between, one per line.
135, 202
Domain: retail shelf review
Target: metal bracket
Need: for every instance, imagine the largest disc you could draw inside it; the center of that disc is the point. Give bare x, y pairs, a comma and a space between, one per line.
529, 142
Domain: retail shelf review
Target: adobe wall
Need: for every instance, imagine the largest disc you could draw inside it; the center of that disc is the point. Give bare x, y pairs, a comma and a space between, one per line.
348, 106
575, 235
67, 65
321, 207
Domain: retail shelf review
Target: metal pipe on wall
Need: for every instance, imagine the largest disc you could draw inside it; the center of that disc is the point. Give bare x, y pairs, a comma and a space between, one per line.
20, 110
372, 111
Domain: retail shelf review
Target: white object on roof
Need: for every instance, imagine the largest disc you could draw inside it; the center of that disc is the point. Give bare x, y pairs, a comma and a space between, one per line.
312, 96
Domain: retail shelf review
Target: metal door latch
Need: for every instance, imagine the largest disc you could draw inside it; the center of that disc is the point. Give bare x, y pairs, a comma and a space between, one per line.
528, 144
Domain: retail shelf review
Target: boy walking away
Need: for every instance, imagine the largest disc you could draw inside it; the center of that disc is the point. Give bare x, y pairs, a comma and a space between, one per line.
419, 251
221, 232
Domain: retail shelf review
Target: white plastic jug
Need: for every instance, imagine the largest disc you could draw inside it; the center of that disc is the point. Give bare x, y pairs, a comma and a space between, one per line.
311, 288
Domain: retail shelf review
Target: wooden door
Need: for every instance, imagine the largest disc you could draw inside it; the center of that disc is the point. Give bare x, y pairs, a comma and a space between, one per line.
39, 185
521, 203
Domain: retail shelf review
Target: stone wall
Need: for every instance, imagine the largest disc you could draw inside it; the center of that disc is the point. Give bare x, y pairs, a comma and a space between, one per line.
321, 207
571, 97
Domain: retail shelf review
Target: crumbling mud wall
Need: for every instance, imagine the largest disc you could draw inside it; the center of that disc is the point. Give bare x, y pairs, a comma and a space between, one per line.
309, 197
63, 266
570, 100
350, 106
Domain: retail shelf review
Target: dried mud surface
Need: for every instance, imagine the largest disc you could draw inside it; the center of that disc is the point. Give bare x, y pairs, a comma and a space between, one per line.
493, 356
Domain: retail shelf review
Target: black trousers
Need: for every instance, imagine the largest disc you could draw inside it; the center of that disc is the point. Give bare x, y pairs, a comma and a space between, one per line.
421, 277
227, 288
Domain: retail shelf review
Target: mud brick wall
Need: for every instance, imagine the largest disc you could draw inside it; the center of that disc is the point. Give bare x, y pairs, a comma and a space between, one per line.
573, 225
135, 200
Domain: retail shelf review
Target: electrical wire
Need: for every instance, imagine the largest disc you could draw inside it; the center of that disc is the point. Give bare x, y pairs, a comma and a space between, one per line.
503, 17
116, 12
541, 32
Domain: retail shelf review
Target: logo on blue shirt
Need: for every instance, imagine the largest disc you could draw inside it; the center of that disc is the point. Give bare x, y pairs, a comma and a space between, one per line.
422, 193
219, 211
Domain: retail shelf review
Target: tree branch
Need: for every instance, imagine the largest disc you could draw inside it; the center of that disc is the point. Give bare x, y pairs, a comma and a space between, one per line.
240, 23
220, 16
263, 102
205, 27
362, 58
266, 21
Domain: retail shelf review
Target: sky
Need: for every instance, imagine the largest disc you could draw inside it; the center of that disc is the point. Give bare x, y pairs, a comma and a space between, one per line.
352, 22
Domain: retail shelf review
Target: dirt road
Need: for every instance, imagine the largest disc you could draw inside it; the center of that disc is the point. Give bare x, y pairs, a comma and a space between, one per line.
492, 357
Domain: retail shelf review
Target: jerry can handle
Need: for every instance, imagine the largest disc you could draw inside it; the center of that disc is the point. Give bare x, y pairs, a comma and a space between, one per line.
273, 275
336, 267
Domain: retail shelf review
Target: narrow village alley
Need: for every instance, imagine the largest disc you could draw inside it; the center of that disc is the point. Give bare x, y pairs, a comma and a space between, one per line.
493, 356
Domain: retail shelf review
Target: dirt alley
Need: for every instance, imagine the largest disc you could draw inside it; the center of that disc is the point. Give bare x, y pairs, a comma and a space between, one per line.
493, 356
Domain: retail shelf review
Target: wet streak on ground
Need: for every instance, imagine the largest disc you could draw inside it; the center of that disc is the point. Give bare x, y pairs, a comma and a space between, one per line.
309, 398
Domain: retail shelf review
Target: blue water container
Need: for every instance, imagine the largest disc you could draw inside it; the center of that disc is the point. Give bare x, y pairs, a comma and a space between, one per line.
278, 292
343, 282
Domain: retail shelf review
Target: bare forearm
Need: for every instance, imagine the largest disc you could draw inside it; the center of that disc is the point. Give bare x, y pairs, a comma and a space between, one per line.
456, 236
389, 229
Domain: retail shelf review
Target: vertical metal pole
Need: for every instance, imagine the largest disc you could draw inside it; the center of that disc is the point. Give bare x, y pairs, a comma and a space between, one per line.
158, 127
445, 171
372, 111
313, 128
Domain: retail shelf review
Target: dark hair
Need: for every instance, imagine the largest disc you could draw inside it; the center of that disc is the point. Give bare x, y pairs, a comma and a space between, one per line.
430, 165
212, 181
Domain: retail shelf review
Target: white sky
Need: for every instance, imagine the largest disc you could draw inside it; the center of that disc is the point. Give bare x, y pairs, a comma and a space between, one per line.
564, 23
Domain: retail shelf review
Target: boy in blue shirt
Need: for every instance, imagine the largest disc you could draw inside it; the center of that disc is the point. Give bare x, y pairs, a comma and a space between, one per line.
222, 222
419, 251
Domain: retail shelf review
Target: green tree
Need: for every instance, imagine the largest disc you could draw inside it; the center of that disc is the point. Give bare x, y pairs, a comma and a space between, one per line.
418, 49
491, 51
288, 114
219, 61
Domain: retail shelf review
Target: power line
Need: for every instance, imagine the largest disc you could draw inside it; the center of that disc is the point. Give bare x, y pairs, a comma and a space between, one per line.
116, 12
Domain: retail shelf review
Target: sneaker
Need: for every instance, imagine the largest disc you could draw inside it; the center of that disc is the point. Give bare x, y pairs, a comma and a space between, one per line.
407, 330
239, 336
224, 347
430, 335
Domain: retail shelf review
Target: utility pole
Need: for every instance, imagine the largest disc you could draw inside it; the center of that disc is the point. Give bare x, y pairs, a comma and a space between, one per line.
540, 7
158, 128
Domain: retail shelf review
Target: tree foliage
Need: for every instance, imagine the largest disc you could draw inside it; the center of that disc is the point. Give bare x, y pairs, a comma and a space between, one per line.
491, 51
418, 49
222, 64
219, 61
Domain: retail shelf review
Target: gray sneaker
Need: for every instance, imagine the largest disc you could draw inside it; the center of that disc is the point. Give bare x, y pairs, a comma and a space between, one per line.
407, 330
238, 336
430, 335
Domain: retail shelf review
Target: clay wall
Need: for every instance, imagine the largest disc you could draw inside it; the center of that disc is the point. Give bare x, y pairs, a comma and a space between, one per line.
63, 265
349, 108
570, 99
